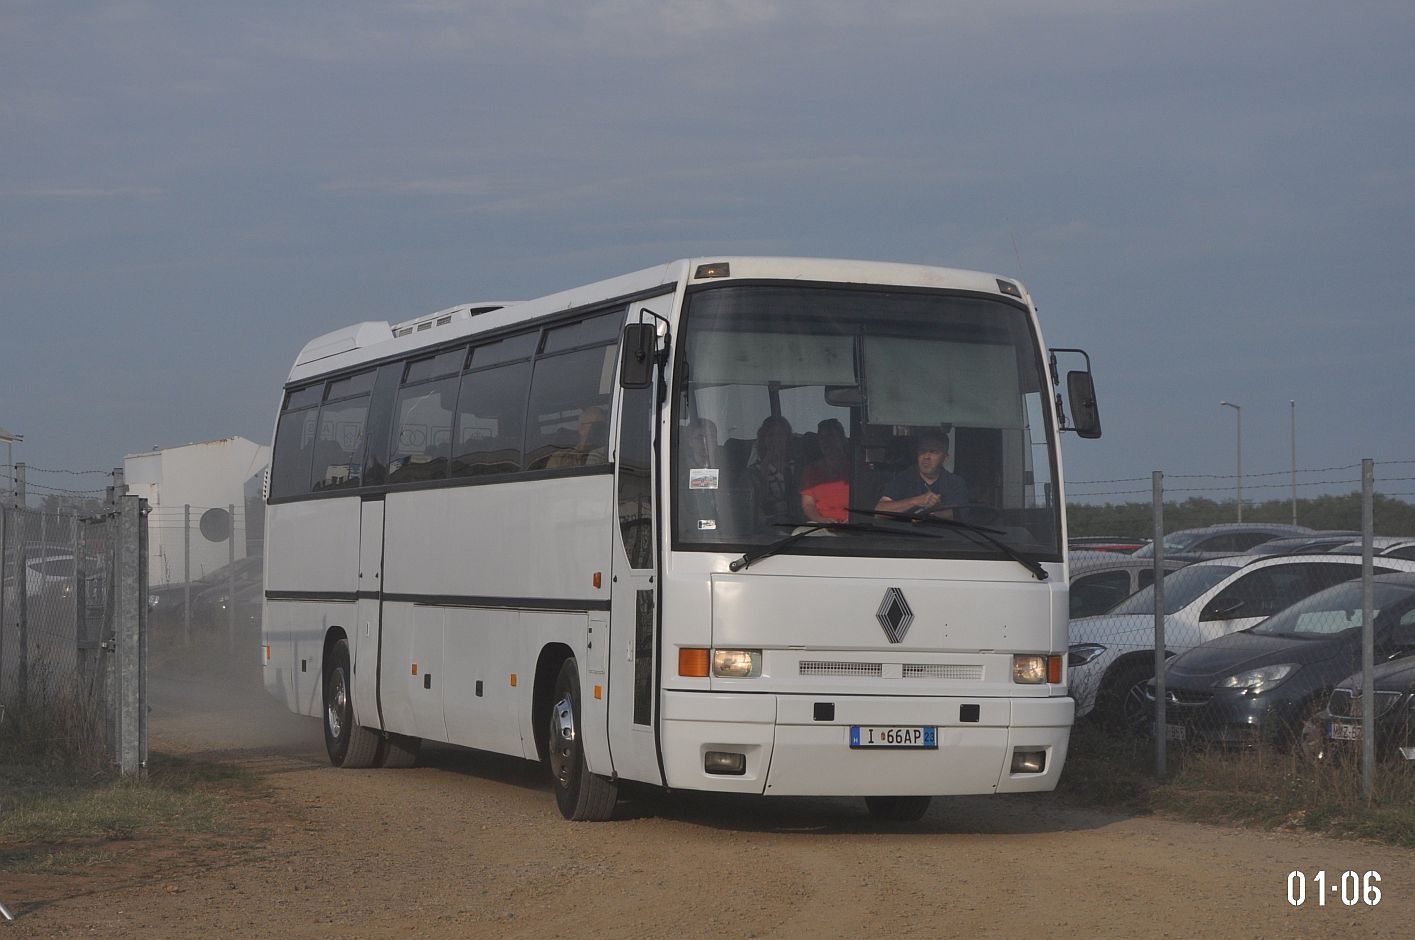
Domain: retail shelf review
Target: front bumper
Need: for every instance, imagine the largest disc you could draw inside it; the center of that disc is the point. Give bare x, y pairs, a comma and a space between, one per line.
789, 752
1228, 717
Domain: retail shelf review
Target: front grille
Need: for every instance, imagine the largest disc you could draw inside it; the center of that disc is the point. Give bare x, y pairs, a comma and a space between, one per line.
1346, 704
1184, 697
821, 668
941, 671
816, 667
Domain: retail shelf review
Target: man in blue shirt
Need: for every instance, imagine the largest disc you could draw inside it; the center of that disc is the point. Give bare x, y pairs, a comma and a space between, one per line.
927, 489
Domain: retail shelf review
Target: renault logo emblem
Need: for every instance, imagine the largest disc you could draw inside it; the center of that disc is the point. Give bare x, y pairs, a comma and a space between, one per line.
894, 615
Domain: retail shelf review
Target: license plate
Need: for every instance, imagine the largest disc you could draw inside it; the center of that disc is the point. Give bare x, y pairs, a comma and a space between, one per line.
893, 736
1174, 732
1339, 731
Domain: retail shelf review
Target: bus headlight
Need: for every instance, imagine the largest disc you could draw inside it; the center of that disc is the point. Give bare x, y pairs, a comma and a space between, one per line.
736, 664
1030, 669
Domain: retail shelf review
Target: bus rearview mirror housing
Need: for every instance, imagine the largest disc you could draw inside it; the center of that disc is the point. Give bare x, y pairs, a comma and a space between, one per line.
1085, 416
636, 355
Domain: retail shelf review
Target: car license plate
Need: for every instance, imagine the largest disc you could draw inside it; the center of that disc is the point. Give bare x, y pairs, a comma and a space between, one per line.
893, 736
1340, 731
1174, 732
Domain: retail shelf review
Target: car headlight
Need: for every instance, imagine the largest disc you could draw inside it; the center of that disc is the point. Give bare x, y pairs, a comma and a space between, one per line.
1260, 679
152, 600
736, 664
1083, 653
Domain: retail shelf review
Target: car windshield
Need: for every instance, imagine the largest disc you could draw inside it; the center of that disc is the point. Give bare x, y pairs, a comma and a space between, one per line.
1333, 611
1173, 542
798, 404
1180, 590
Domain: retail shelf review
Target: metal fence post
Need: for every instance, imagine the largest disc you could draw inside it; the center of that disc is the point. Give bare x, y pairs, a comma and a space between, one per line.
187, 574
231, 578
128, 638
1368, 632
1161, 729
22, 611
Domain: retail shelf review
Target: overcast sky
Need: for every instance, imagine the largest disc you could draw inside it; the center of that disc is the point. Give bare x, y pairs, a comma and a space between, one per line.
1214, 199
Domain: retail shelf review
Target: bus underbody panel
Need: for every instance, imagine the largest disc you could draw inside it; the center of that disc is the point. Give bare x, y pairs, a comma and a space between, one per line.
787, 751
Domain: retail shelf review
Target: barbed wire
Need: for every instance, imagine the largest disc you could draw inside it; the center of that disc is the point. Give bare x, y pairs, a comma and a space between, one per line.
1249, 476
33, 468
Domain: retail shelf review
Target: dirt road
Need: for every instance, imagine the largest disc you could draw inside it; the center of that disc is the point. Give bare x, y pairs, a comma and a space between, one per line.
470, 845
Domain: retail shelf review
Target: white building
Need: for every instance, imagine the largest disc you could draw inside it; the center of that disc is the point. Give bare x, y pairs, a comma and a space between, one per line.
208, 477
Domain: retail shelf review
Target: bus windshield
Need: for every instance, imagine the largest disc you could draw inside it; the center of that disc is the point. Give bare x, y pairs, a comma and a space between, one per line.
800, 403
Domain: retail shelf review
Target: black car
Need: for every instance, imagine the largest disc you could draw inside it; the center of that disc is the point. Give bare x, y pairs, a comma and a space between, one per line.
1336, 732
1263, 683
1224, 538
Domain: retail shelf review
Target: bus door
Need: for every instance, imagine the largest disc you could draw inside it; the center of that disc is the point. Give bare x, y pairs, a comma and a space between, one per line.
365, 631
633, 672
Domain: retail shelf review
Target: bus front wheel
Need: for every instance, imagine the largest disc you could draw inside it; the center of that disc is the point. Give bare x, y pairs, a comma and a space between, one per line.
580, 794
348, 744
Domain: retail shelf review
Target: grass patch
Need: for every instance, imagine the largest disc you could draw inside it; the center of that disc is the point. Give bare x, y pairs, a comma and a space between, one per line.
1266, 788
59, 819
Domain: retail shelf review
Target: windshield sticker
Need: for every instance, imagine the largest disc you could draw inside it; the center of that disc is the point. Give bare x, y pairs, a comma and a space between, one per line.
704, 478
707, 523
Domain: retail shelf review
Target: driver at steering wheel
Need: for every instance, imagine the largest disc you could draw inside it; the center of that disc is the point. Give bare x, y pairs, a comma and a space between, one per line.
927, 488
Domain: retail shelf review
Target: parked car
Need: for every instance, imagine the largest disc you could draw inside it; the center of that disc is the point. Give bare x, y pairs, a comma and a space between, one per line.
1112, 656
1100, 580
1384, 546
1336, 732
1105, 543
1317, 543
1263, 683
48, 571
165, 601
1215, 541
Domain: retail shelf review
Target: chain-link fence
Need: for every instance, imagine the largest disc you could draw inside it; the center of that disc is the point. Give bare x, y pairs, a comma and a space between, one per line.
73, 642
1273, 634
205, 582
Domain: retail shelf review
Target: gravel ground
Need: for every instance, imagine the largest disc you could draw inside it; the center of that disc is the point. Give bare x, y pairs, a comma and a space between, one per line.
468, 844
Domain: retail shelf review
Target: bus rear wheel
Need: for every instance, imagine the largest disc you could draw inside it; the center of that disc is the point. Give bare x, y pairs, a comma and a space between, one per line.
348, 744
898, 808
581, 795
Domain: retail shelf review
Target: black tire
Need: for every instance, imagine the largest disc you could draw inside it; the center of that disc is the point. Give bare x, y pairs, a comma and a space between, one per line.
898, 808
581, 795
348, 744
401, 750
1121, 704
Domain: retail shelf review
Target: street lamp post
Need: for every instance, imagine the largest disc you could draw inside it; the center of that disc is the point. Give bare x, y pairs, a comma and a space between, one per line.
1239, 410
9, 438
1293, 403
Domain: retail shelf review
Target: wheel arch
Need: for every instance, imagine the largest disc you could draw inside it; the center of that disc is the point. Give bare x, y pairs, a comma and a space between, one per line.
552, 655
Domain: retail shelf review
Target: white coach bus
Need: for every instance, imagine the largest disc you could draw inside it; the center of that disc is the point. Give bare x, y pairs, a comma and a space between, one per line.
659, 529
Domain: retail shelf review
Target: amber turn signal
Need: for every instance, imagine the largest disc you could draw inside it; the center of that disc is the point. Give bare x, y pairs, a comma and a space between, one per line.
693, 661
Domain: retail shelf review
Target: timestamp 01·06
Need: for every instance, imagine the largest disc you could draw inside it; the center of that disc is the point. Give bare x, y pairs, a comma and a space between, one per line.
1352, 887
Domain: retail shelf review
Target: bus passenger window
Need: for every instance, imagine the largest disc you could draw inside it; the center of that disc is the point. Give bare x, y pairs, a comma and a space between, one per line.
490, 418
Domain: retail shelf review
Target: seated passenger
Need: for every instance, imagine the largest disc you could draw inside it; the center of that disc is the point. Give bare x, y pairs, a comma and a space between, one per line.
592, 445
825, 484
926, 489
772, 477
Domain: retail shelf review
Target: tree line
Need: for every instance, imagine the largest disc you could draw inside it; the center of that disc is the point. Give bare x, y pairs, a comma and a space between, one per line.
1390, 516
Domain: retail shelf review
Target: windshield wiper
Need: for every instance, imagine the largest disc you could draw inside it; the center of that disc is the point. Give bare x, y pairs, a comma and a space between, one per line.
968, 528
766, 551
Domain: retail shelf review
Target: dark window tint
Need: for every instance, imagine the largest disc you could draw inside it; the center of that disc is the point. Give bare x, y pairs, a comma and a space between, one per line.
422, 430
569, 409
294, 445
1146, 577
506, 350
1408, 553
1096, 593
446, 363
490, 418
354, 385
594, 330
635, 478
339, 444
304, 397
1264, 592
643, 657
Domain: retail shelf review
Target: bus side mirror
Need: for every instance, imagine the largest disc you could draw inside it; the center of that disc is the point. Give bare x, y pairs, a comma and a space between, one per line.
1085, 417
636, 355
